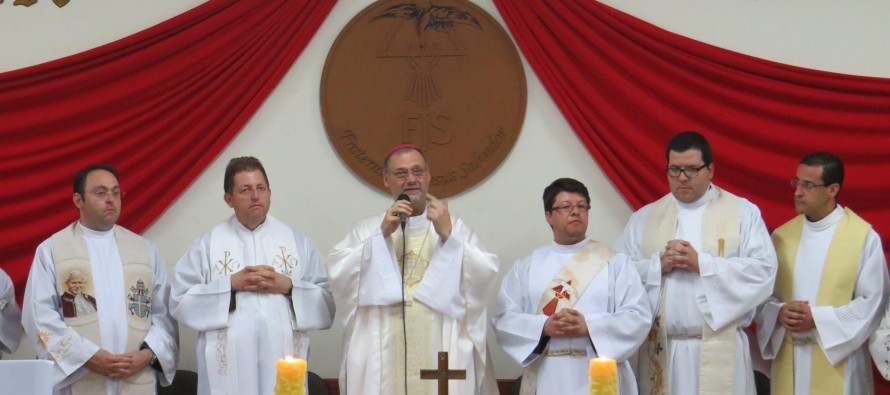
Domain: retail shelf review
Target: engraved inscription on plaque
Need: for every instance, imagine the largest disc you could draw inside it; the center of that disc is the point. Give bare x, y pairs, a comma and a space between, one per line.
443, 75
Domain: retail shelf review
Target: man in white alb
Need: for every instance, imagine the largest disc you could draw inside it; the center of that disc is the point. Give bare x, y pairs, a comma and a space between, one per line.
706, 260
251, 286
447, 281
10, 317
831, 290
571, 301
128, 340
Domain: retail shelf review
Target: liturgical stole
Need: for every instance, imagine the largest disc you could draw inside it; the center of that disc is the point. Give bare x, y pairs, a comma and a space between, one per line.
564, 291
721, 227
835, 289
70, 252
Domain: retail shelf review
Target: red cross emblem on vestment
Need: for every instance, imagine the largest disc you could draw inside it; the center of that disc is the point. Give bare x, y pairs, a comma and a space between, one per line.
559, 293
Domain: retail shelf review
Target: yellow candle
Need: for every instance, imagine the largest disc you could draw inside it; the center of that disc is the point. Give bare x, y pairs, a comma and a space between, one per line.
291, 376
603, 376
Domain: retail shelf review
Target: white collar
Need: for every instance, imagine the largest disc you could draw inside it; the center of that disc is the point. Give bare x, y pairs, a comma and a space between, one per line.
830, 220
711, 194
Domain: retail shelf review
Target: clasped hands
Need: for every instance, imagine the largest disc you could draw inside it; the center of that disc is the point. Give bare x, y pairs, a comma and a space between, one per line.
679, 255
797, 316
120, 366
261, 278
436, 211
566, 323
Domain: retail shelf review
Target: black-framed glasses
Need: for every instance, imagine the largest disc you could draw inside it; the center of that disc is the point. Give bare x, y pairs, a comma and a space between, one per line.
690, 172
567, 208
808, 185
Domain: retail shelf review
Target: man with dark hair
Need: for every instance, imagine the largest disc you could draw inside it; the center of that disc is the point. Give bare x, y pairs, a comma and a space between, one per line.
10, 317
425, 288
571, 301
830, 293
105, 343
252, 287
706, 260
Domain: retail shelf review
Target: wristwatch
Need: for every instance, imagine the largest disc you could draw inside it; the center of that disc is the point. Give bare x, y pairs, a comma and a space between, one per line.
155, 364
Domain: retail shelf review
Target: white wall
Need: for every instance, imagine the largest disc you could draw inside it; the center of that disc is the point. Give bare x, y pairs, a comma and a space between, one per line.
314, 192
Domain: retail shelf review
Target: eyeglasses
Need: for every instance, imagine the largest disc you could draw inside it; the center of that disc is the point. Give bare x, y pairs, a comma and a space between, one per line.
103, 194
808, 185
567, 208
690, 172
402, 174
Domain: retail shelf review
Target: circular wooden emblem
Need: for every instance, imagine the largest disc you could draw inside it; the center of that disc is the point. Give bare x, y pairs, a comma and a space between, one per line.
442, 75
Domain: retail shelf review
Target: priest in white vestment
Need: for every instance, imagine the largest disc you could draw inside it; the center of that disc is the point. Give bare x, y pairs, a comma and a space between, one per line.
571, 301
129, 341
831, 290
447, 281
252, 287
707, 261
10, 317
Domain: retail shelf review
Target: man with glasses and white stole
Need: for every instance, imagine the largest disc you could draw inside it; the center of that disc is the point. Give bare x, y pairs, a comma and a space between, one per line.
707, 261
447, 279
252, 287
830, 293
120, 340
571, 301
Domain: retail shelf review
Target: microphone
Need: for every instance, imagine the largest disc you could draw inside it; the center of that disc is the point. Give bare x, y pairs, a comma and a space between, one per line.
403, 218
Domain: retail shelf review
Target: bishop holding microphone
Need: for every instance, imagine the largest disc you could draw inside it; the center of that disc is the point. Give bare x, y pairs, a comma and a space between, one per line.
409, 293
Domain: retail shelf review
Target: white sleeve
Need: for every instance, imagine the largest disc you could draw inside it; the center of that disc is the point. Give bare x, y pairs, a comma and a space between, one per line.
519, 329
841, 330
734, 286
618, 334
198, 299
42, 320
648, 267
163, 336
311, 296
10, 317
879, 345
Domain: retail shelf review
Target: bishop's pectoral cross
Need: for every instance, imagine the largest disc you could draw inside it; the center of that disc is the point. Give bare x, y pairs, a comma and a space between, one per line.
443, 374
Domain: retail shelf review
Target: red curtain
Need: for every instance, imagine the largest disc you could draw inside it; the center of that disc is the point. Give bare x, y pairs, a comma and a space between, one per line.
159, 105
627, 87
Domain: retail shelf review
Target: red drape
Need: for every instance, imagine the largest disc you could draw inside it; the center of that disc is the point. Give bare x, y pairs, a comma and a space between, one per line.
159, 105
627, 86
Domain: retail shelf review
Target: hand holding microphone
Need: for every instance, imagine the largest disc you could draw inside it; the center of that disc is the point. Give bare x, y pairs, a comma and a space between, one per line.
397, 215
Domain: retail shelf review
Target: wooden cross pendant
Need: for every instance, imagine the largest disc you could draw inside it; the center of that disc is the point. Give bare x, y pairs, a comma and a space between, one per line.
443, 374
